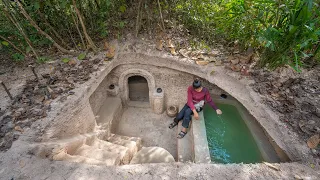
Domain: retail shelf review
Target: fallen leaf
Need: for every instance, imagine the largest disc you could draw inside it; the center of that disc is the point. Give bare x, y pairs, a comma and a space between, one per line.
47, 102
218, 63
49, 90
82, 56
313, 141
312, 166
22, 163
184, 52
202, 63
170, 44
200, 56
213, 53
18, 128
65, 60
235, 68
72, 62
159, 45
298, 177
106, 46
244, 71
272, 166
111, 52
173, 51
211, 59
235, 61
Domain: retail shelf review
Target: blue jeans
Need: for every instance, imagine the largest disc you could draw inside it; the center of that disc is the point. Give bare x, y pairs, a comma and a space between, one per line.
185, 114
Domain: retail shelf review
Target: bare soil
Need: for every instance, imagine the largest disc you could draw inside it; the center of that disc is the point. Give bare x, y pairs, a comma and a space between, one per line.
32, 96
295, 96
152, 128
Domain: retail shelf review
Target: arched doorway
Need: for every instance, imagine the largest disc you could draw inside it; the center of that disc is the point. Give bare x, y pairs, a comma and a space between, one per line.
138, 89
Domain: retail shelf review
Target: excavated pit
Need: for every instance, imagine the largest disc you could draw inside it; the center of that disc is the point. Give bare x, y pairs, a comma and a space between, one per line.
121, 117
128, 103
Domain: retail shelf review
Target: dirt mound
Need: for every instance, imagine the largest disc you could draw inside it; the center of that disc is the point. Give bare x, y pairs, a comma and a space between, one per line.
34, 101
295, 96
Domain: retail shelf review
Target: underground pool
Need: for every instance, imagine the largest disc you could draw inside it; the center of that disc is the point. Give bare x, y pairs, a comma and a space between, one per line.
235, 137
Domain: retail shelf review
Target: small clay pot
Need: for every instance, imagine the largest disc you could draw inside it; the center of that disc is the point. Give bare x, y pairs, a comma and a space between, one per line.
172, 111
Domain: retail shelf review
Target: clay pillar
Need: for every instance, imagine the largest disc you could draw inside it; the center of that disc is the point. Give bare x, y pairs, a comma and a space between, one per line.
158, 101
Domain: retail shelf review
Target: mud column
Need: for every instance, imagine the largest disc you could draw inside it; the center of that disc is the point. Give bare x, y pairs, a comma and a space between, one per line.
158, 101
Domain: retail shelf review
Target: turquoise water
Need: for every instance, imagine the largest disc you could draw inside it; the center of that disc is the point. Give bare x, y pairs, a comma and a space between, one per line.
229, 138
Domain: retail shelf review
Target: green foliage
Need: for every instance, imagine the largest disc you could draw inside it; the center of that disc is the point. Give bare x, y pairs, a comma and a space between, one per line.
58, 18
17, 57
43, 59
5, 43
284, 31
82, 56
65, 60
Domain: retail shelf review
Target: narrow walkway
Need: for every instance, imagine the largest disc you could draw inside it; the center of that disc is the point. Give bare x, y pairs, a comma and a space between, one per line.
152, 128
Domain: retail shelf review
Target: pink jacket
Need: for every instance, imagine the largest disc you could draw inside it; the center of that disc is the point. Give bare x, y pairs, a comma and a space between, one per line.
195, 97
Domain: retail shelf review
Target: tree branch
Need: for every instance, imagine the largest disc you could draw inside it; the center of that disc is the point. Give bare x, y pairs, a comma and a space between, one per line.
161, 18
53, 30
34, 24
79, 32
90, 42
16, 23
15, 47
138, 18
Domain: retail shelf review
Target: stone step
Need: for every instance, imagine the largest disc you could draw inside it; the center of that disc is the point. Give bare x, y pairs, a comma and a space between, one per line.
109, 113
123, 152
152, 155
200, 142
91, 152
62, 156
185, 145
133, 143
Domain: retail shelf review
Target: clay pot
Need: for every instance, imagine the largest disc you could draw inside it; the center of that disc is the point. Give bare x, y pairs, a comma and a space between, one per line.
172, 111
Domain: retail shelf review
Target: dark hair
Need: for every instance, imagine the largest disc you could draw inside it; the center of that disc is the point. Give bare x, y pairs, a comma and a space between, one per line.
196, 83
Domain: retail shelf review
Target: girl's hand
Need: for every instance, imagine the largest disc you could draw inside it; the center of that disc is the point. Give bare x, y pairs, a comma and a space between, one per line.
196, 115
219, 111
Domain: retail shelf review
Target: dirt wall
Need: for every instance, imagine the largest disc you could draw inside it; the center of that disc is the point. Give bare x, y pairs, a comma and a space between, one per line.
173, 83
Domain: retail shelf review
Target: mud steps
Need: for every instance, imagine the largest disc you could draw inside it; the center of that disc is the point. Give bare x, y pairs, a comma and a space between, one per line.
132, 143
116, 150
152, 155
88, 149
107, 157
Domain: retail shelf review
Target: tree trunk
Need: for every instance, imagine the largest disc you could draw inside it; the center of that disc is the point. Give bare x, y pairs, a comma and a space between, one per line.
161, 18
16, 23
53, 30
138, 21
90, 42
79, 32
26, 15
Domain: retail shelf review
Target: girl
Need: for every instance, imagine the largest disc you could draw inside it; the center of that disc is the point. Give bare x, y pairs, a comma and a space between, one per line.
197, 95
